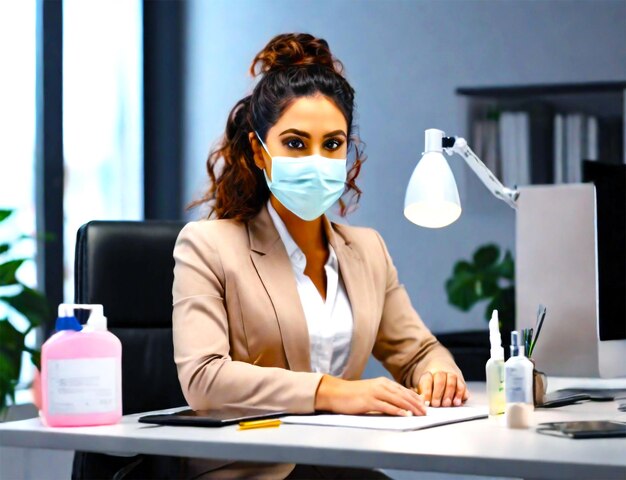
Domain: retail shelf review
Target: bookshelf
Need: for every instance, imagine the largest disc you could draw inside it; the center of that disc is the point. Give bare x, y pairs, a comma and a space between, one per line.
539, 134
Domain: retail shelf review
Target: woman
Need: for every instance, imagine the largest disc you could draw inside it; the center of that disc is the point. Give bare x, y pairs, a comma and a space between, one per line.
274, 306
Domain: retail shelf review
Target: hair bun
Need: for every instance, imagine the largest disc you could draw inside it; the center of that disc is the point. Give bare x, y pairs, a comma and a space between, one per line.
293, 49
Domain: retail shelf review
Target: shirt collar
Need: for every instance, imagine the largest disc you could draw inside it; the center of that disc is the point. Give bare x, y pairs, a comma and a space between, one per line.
296, 256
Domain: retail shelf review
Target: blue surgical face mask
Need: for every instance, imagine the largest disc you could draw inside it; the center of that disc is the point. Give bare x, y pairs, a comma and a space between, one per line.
306, 186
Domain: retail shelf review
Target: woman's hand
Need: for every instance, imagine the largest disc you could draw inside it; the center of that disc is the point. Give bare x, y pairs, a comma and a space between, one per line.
442, 389
362, 396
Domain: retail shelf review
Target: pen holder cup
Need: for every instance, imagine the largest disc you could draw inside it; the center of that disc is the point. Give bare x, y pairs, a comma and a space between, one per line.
540, 386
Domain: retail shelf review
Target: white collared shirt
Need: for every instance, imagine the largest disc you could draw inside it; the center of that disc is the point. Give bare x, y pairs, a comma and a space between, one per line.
329, 322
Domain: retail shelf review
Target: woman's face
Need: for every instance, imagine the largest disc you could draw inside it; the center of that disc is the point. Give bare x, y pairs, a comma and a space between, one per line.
309, 126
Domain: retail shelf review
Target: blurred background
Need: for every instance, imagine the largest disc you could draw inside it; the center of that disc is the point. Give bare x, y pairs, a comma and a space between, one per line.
108, 109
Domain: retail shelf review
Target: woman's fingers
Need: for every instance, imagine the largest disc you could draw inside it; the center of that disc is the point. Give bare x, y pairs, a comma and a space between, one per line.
387, 396
439, 387
442, 389
425, 387
389, 409
459, 396
449, 391
398, 395
466, 394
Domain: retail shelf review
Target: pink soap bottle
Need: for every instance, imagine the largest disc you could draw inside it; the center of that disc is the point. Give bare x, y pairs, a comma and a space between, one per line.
81, 371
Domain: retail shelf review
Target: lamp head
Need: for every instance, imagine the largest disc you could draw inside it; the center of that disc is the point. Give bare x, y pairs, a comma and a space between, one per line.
432, 198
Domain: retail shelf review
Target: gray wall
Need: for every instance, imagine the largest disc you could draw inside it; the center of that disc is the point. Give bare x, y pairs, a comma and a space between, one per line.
405, 60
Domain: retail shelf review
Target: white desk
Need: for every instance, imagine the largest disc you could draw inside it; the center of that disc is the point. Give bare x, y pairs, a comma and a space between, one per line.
480, 447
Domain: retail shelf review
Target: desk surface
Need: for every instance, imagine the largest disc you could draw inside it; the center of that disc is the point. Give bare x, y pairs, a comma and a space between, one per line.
480, 447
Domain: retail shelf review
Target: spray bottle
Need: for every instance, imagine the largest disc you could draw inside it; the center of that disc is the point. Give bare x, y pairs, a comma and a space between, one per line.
81, 377
518, 378
495, 369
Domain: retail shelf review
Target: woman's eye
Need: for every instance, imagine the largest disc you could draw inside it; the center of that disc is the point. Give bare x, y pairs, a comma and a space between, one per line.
332, 144
295, 143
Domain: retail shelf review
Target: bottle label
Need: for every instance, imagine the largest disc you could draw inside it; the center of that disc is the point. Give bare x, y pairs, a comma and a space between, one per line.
79, 386
516, 390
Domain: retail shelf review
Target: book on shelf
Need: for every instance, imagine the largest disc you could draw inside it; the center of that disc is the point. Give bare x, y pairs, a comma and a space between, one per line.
575, 140
536, 146
541, 134
559, 149
514, 135
485, 144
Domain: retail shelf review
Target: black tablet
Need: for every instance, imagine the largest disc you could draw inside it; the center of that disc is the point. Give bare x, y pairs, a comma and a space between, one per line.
211, 418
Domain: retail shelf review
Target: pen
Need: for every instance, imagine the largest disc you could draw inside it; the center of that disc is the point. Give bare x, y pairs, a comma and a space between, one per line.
542, 314
274, 422
525, 339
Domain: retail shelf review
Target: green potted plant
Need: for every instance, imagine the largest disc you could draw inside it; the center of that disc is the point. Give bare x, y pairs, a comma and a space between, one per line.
24, 301
486, 277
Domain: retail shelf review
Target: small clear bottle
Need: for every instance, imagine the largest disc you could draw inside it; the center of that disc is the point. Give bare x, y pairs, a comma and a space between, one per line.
495, 369
518, 379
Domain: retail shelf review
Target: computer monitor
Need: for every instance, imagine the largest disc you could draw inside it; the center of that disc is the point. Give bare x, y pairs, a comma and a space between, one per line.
610, 182
561, 258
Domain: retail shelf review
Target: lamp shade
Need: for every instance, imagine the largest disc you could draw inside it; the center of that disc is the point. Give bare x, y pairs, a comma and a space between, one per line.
432, 198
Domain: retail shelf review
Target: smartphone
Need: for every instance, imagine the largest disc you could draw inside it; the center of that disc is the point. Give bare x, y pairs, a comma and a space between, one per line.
588, 429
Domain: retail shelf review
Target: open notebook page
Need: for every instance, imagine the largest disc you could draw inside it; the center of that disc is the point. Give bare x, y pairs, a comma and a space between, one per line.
434, 417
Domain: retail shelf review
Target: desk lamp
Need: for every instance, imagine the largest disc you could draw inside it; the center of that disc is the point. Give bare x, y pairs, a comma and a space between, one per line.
432, 198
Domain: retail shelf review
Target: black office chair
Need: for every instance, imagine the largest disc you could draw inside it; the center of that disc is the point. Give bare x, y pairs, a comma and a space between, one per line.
128, 268
470, 350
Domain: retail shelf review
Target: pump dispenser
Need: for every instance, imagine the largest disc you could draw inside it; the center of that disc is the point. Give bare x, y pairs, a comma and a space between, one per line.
495, 368
97, 321
518, 379
66, 319
81, 376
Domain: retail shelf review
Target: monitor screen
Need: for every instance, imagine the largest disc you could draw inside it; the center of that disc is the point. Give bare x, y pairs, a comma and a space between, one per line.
610, 182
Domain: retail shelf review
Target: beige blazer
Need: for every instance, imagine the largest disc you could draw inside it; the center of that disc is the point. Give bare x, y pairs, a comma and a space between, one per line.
240, 334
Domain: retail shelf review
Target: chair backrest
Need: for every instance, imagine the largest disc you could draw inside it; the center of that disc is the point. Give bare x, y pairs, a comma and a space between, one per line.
128, 268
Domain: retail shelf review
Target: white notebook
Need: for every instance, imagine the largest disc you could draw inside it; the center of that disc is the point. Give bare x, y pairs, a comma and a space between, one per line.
433, 418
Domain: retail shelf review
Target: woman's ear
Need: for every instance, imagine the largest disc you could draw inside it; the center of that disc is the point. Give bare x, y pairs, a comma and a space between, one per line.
257, 150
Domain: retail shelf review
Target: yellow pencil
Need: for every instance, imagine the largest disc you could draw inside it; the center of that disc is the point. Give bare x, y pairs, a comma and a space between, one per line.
274, 422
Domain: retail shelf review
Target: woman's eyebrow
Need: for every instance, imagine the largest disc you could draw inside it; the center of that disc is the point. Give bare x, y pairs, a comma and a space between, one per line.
297, 132
307, 135
334, 133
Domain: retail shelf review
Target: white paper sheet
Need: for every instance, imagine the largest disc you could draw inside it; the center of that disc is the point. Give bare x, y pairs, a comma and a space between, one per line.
434, 417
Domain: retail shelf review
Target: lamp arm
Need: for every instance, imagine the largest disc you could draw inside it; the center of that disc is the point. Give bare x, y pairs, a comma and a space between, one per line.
459, 145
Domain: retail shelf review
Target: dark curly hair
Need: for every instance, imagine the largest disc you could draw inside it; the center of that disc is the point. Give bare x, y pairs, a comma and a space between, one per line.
291, 66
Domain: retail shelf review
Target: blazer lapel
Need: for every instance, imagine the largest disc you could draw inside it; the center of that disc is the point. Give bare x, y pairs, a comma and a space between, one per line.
354, 278
272, 263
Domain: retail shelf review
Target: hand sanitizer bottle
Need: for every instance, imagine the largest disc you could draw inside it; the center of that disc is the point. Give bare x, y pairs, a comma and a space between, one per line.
495, 369
81, 377
518, 380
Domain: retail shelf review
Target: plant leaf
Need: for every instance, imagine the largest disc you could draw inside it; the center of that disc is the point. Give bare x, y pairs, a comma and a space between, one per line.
8, 382
462, 291
7, 271
4, 213
35, 358
4, 247
463, 267
11, 346
504, 302
486, 256
30, 303
507, 267
489, 286
483, 279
